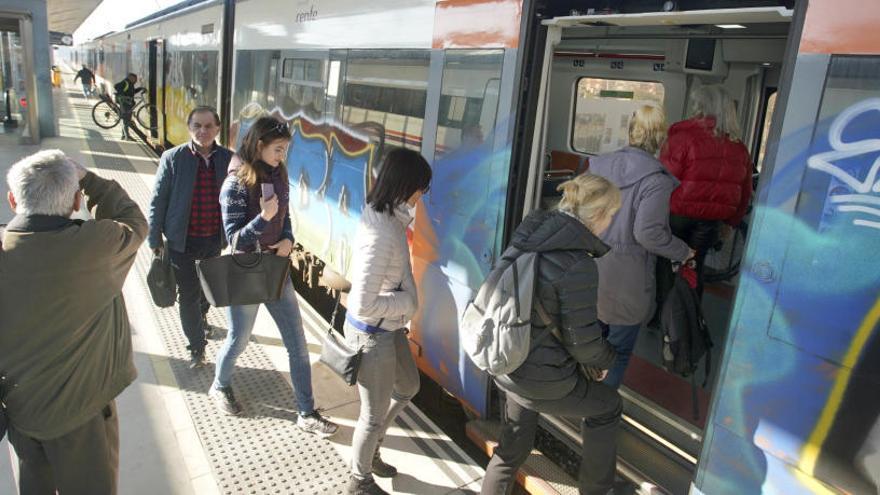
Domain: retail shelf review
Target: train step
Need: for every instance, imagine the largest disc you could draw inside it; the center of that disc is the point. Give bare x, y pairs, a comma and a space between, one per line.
539, 475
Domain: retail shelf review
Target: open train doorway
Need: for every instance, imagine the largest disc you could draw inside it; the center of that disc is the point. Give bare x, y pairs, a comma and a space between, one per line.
597, 70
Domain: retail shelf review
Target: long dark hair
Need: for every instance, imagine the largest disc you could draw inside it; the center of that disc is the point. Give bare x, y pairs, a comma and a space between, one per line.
403, 173
266, 130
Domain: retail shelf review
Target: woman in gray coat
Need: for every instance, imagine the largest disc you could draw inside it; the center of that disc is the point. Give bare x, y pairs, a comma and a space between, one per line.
639, 233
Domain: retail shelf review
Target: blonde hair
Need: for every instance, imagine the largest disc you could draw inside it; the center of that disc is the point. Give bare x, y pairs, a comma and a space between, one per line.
590, 198
647, 128
714, 101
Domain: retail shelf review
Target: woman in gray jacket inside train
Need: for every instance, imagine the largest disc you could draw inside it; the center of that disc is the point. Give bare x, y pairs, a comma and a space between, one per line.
562, 373
382, 301
639, 233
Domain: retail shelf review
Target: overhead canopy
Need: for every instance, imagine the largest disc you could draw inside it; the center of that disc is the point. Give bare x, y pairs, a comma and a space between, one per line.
67, 15
755, 15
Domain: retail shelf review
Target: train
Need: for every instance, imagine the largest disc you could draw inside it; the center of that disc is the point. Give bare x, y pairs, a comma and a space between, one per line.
505, 98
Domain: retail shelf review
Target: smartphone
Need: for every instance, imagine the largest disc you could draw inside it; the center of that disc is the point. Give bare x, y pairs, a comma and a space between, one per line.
268, 190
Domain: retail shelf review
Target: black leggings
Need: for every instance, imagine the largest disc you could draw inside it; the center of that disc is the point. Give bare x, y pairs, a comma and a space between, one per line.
700, 235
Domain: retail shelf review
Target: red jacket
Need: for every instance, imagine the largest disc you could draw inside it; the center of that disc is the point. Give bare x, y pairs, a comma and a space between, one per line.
715, 173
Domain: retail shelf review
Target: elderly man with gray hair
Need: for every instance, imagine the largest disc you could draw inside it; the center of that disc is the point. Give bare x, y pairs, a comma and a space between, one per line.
65, 343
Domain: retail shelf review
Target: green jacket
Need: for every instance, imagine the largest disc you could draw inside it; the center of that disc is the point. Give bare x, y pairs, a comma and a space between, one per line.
64, 334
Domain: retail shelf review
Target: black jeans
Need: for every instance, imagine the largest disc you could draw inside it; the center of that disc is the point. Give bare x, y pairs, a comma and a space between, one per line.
125, 110
600, 407
191, 301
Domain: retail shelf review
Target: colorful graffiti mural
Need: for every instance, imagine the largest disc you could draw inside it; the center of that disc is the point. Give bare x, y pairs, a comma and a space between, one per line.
454, 237
796, 412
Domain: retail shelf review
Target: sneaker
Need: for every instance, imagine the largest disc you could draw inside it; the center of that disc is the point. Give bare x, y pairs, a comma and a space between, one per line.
196, 358
363, 486
382, 469
316, 424
209, 330
225, 401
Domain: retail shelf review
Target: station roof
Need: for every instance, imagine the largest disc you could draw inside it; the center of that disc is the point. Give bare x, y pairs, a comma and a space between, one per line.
67, 15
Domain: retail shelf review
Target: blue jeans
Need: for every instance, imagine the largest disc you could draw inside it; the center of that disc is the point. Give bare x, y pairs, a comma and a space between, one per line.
623, 339
285, 312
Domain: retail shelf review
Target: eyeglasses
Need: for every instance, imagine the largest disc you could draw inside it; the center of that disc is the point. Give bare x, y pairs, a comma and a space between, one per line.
280, 128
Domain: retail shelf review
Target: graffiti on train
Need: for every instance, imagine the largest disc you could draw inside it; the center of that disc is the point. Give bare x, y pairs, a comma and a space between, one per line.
191, 82
854, 166
454, 238
811, 272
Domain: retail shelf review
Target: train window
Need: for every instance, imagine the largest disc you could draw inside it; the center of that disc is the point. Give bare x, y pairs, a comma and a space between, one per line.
468, 100
469, 96
303, 70
301, 87
603, 108
253, 82
386, 91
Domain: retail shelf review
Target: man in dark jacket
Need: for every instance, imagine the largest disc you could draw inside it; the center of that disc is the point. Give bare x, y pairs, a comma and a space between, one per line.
185, 209
65, 339
87, 78
125, 92
564, 366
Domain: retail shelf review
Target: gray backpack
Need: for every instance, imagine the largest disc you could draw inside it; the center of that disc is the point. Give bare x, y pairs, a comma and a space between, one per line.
495, 329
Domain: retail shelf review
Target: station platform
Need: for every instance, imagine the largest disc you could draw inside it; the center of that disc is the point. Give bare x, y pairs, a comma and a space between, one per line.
173, 440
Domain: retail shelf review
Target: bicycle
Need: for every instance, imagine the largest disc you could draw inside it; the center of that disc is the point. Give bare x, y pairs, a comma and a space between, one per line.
107, 114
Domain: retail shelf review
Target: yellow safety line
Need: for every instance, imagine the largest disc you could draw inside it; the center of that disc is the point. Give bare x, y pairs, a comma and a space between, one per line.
810, 452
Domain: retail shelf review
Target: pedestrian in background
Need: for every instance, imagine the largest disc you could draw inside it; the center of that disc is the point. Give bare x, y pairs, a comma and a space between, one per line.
65, 339
185, 218
87, 78
639, 233
254, 202
382, 301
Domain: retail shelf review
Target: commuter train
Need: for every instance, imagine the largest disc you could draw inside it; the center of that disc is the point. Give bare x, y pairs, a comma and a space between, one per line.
507, 97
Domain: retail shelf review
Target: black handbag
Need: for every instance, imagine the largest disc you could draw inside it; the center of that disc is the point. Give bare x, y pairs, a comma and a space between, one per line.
240, 279
338, 355
160, 280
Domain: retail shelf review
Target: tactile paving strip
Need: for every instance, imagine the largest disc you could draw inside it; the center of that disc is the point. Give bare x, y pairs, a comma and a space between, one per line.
261, 452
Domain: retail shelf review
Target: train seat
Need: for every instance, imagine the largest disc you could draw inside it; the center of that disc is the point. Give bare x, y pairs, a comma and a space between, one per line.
565, 160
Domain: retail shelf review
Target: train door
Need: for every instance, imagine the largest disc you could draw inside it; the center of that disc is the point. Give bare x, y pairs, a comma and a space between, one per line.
797, 409
597, 71
155, 67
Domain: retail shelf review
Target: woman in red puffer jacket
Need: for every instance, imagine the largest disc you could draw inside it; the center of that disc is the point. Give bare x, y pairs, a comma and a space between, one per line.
705, 153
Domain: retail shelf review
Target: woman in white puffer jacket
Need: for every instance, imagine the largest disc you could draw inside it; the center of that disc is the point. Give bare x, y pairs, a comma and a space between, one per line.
382, 301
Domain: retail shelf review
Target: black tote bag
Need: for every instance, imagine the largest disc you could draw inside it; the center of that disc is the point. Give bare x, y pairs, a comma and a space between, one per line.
240, 279
160, 280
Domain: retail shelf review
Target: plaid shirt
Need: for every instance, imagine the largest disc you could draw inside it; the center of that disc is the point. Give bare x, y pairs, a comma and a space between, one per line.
204, 216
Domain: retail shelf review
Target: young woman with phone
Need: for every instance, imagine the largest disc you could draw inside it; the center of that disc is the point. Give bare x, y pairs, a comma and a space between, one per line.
253, 202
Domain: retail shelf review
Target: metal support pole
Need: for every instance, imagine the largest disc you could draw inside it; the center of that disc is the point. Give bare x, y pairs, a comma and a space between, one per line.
26, 26
226, 60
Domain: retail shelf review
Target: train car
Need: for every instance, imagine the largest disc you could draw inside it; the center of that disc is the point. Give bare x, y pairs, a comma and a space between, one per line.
505, 98
176, 55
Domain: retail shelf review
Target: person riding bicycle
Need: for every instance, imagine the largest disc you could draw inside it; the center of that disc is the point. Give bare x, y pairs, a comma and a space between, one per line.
125, 92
